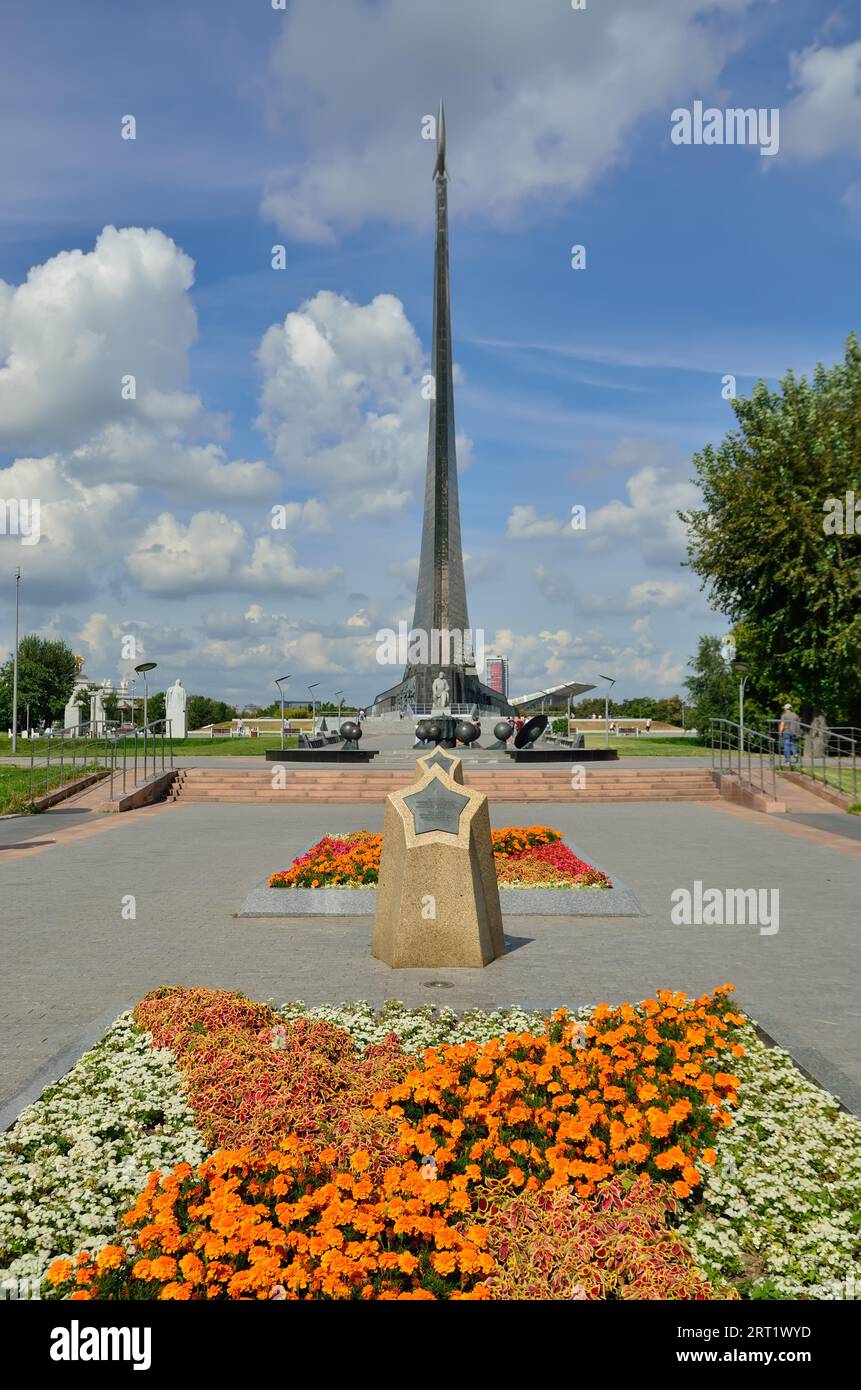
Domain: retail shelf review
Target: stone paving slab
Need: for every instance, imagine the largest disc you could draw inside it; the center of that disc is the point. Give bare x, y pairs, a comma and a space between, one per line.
69, 953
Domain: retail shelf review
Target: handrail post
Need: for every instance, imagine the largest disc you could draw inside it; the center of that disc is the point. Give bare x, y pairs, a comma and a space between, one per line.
48, 769
32, 765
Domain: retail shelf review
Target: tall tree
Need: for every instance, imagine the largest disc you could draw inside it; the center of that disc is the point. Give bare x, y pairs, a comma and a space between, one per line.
46, 674
712, 686
763, 544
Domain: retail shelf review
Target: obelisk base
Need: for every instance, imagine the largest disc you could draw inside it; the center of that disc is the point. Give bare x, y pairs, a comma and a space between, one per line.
437, 898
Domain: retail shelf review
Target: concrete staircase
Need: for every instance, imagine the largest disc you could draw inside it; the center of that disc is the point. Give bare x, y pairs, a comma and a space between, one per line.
368, 784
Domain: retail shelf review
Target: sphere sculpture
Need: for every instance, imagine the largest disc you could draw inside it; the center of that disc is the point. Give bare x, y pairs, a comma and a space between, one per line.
422, 730
503, 730
466, 732
434, 731
350, 732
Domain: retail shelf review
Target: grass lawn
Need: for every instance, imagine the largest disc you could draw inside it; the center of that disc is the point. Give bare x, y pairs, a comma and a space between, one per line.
839, 778
230, 747
219, 747
648, 746
15, 784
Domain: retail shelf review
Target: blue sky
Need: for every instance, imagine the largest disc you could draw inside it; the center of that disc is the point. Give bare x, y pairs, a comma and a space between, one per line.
301, 386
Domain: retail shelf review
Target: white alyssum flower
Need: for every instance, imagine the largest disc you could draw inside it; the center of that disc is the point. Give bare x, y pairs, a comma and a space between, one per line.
417, 1028
782, 1206
75, 1160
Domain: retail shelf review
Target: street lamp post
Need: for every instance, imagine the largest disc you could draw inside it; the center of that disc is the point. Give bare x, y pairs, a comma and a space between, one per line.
610, 685
311, 689
741, 669
144, 667
281, 693
15, 666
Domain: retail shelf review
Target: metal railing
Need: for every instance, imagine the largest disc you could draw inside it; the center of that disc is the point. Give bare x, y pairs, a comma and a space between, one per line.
748, 754
829, 756
422, 711
138, 748
80, 744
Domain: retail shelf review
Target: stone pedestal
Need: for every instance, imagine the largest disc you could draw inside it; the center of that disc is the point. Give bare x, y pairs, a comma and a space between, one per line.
72, 715
179, 725
437, 899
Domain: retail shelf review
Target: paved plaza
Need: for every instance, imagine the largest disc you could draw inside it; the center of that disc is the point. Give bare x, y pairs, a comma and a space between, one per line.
72, 962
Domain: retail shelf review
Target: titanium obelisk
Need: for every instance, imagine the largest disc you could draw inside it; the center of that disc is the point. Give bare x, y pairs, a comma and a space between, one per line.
440, 606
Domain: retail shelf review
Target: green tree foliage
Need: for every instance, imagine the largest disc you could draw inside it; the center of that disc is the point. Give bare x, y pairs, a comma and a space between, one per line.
46, 673
760, 543
663, 711
203, 711
154, 706
712, 687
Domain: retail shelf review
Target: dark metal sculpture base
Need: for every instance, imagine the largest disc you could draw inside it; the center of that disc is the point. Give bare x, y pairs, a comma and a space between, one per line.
446, 724
321, 755
563, 755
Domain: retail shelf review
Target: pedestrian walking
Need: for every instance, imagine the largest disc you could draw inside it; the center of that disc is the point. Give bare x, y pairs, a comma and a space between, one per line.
788, 730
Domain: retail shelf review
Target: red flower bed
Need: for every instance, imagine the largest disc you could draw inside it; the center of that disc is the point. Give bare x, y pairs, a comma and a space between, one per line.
529, 854
553, 862
615, 1244
251, 1079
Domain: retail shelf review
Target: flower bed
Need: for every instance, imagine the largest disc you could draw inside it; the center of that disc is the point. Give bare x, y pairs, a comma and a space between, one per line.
631, 1090
75, 1159
530, 856
776, 1213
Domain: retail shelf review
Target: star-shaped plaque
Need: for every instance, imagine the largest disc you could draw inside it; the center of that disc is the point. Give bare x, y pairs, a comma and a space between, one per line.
435, 807
439, 759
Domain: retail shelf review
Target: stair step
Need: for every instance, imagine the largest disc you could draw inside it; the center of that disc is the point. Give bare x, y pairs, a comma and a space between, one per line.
610, 785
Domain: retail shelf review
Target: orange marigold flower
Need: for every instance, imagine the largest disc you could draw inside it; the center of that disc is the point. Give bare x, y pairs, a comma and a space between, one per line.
110, 1257
176, 1291
60, 1271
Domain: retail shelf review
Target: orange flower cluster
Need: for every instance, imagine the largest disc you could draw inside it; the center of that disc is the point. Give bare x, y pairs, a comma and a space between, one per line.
517, 839
291, 1226
636, 1088
353, 860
